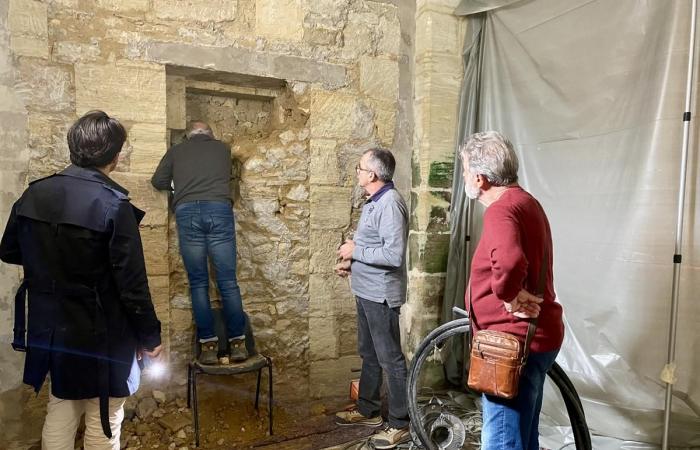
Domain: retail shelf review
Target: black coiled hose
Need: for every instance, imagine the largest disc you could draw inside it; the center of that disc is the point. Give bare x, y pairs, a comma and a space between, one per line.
582, 437
572, 401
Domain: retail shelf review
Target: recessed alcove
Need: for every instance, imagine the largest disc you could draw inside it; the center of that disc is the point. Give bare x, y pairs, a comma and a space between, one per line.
261, 120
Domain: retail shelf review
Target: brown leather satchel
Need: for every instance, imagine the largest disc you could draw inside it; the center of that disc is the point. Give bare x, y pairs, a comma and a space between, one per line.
497, 358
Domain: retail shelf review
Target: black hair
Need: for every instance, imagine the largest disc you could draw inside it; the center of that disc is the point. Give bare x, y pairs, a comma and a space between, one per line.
95, 139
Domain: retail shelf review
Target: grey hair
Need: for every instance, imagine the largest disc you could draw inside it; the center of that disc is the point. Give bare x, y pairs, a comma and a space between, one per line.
491, 154
382, 163
199, 127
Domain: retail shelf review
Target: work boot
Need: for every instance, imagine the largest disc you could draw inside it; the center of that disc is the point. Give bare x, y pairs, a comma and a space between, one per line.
353, 416
389, 437
208, 353
238, 352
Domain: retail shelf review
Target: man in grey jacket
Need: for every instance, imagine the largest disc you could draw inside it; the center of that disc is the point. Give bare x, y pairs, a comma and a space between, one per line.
378, 280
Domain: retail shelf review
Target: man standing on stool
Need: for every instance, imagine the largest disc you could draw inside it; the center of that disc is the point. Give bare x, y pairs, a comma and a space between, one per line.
378, 281
199, 172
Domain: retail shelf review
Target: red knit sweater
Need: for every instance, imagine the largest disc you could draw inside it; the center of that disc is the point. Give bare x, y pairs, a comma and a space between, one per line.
509, 256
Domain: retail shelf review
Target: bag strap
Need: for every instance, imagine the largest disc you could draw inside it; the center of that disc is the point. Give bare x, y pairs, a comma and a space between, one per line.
19, 341
532, 326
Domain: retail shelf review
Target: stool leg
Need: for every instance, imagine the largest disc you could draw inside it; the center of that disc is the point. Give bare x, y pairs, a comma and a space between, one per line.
257, 389
269, 376
189, 385
195, 412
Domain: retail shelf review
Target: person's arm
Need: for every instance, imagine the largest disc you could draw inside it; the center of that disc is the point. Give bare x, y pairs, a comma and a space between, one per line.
10, 251
392, 231
163, 176
129, 271
508, 261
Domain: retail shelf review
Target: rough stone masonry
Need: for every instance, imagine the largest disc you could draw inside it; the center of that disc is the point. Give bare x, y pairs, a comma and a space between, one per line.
299, 88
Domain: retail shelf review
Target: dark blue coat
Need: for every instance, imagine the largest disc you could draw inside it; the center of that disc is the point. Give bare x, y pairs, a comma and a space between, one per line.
76, 235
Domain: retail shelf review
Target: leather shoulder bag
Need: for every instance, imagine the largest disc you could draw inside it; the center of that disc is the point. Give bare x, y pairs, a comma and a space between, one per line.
497, 358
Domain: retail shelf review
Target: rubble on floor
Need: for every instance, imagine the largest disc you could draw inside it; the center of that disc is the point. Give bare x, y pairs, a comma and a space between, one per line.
159, 421
155, 422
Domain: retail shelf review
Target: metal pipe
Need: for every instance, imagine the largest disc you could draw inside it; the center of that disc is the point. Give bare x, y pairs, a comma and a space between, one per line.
669, 369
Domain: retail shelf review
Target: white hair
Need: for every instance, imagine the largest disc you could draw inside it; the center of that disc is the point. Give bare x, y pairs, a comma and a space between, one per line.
491, 154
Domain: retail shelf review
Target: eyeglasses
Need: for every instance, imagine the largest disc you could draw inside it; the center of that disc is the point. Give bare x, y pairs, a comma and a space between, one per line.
359, 169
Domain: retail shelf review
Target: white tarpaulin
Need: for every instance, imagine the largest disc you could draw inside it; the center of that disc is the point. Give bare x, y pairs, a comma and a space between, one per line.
592, 95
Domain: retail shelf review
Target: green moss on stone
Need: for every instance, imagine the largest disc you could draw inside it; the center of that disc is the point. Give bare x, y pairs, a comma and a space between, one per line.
438, 219
428, 253
415, 172
440, 175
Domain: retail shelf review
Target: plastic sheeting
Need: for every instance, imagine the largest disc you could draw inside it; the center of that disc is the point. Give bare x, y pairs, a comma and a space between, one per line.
591, 94
461, 214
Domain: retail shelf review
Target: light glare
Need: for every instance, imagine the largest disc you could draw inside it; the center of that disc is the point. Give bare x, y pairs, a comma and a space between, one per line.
156, 370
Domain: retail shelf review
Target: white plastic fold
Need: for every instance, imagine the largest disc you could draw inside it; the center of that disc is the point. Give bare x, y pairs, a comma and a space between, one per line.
591, 93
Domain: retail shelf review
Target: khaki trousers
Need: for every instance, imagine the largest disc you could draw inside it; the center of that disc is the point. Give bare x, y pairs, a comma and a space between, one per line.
63, 418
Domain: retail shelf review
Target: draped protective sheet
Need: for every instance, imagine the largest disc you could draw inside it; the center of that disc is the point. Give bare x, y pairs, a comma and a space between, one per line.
592, 94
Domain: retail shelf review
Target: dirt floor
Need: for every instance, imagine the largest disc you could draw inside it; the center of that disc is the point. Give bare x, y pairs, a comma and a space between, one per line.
228, 420
156, 419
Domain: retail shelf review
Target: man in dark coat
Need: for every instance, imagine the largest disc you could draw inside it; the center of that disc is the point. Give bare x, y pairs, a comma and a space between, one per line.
90, 312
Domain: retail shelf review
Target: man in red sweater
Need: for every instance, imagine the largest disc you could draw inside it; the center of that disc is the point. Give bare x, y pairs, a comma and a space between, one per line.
516, 241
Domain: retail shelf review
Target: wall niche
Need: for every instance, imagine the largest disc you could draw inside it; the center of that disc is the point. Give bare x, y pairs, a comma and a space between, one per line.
265, 126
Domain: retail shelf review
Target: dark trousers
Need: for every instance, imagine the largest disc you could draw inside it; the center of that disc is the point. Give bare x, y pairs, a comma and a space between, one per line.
379, 345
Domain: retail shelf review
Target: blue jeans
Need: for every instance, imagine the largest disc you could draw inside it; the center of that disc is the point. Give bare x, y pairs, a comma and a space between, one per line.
206, 230
379, 345
513, 424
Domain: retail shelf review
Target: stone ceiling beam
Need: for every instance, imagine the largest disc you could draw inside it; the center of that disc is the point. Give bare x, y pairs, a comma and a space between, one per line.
242, 61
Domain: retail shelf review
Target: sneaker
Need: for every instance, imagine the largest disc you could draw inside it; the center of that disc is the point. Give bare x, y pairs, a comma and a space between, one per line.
209, 352
390, 437
238, 350
354, 417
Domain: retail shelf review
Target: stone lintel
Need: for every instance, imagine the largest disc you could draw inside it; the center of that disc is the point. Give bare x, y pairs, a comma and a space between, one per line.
242, 61
227, 90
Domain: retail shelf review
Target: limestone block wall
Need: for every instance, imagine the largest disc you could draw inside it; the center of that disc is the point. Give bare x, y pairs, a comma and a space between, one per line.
335, 66
15, 420
233, 119
438, 75
270, 160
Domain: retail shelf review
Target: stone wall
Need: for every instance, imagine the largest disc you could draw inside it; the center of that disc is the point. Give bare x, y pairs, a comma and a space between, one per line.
341, 72
438, 75
20, 425
269, 139
232, 119
311, 84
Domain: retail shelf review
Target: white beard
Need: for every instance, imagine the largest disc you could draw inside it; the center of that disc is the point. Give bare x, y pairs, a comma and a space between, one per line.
471, 191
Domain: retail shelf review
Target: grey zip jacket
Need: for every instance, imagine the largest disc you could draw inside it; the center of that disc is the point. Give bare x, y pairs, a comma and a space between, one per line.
379, 259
